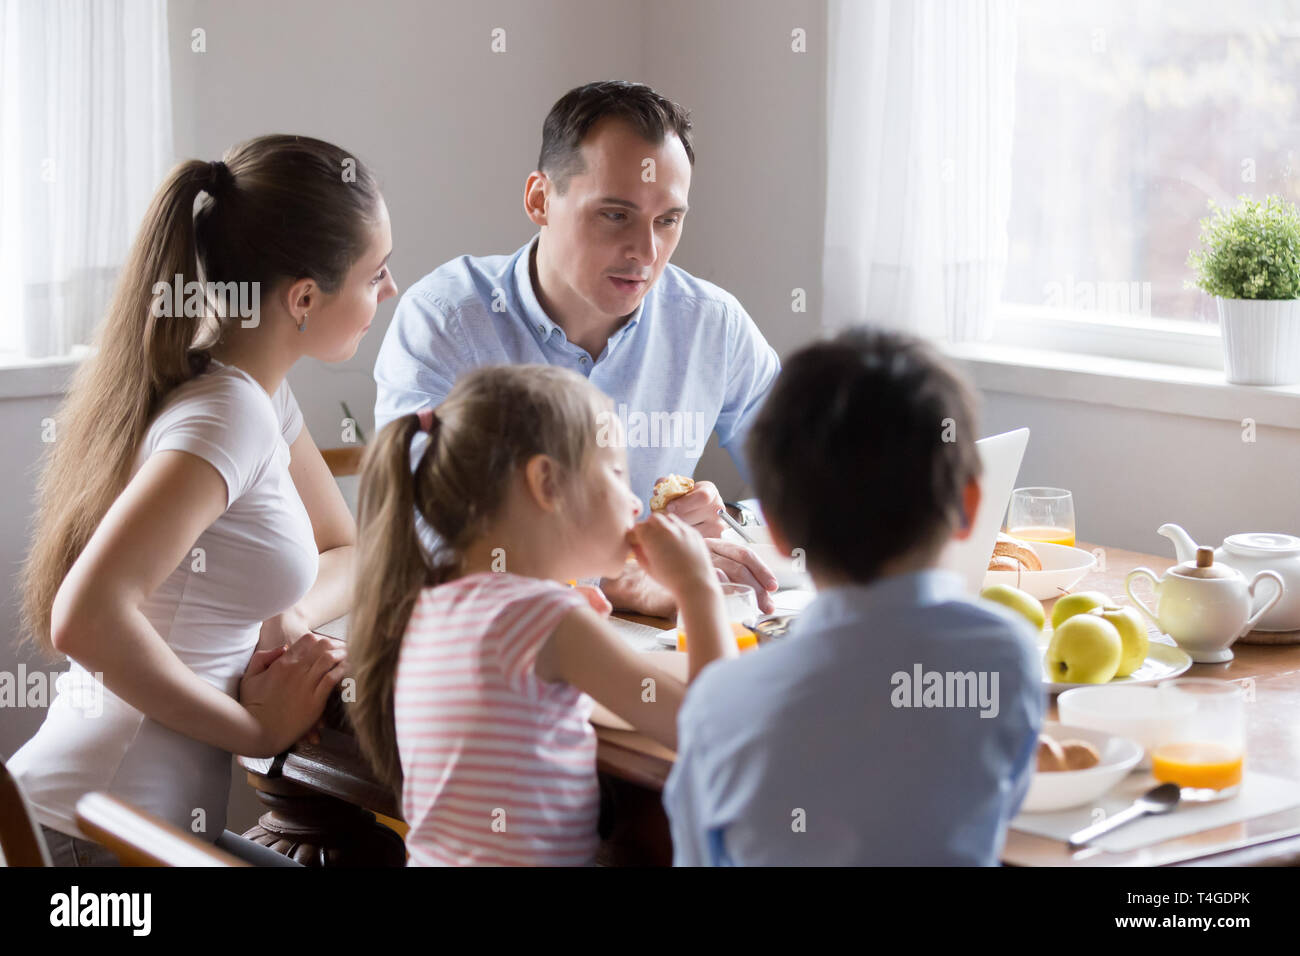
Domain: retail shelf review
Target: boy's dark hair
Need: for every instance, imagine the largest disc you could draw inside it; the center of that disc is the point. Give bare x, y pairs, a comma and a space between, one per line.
863, 449
577, 111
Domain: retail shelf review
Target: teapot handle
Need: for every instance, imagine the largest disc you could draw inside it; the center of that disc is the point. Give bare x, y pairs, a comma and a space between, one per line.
1155, 583
1277, 596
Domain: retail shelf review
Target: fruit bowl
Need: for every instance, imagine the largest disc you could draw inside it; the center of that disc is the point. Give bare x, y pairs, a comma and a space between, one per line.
1062, 789
1163, 662
1063, 568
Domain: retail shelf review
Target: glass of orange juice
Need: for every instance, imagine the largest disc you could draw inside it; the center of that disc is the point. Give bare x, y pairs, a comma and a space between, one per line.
1204, 752
742, 612
1042, 515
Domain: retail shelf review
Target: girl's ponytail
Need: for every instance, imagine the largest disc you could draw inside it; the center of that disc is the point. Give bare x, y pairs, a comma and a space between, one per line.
390, 571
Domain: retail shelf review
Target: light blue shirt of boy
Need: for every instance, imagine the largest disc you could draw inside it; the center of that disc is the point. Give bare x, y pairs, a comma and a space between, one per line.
688, 362
848, 743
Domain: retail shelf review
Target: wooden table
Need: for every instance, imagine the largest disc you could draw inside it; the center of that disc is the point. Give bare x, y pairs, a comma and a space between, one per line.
633, 770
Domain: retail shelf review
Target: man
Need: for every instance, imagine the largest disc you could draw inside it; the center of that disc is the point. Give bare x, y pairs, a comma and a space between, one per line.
593, 292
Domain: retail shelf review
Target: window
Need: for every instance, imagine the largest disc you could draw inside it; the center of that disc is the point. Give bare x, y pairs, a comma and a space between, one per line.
85, 138
1130, 117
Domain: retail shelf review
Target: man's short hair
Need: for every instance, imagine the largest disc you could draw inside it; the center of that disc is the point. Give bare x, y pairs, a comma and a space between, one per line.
863, 450
577, 111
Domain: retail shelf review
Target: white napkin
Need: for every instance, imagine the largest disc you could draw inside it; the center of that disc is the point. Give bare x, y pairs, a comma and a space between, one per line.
1260, 795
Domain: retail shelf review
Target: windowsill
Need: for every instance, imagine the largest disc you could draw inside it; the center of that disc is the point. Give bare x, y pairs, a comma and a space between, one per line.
36, 378
1124, 383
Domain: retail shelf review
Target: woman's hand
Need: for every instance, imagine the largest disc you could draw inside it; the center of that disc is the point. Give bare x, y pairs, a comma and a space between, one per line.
282, 630
285, 688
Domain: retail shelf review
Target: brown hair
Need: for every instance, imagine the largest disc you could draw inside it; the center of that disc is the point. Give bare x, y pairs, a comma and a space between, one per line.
863, 450
577, 111
278, 208
494, 420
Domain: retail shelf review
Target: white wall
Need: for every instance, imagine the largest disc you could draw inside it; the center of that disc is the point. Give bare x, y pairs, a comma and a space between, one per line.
1132, 470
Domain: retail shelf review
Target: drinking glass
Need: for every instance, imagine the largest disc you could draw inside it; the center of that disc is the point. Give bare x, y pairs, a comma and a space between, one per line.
742, 612
1042, 515
1203, 752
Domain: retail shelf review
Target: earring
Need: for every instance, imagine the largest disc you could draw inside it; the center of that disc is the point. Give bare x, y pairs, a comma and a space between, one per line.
303, 327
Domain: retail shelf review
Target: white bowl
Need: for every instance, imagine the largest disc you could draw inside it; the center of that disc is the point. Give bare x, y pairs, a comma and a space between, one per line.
787, 575
1140, 713
1062, 789
1063, 568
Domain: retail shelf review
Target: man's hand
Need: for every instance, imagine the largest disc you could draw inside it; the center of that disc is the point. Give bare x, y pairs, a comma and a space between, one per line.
636, 591
699, 508
740, 565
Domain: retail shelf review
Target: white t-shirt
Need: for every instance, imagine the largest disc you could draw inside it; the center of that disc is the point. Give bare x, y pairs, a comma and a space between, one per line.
254, 561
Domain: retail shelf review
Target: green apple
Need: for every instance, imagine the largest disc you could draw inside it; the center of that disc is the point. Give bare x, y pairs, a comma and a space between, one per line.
1086, 649
1081, 603
1132, 634
1019, 601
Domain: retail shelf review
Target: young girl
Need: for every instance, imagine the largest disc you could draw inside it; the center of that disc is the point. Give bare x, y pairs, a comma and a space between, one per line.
475, 673
185, 511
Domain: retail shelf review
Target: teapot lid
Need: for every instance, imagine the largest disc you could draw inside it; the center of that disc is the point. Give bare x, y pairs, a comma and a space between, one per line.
1203, 566
1262, 544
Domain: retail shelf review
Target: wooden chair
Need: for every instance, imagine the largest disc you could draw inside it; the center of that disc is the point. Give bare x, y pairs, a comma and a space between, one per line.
21, 842
141, 839
344, 461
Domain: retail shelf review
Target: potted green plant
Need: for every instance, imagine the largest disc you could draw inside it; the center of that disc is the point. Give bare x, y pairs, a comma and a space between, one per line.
1249, 261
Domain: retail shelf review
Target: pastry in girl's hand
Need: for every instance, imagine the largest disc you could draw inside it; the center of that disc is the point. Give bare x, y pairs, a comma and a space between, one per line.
1012, 554
666, 489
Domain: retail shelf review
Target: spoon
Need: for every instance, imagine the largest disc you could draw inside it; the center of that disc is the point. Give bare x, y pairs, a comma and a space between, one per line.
735, 526
1157, 800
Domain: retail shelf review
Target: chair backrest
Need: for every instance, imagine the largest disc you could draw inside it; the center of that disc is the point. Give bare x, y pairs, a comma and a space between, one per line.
21, 843
141, 839
344, 461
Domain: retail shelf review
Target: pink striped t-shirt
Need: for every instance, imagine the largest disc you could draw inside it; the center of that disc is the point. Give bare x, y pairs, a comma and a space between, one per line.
499, 766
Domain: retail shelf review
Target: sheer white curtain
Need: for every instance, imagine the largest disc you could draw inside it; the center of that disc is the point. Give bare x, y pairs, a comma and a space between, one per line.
920, 109
85, 139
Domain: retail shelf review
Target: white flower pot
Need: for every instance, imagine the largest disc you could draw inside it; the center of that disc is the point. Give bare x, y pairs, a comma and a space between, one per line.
1261, 340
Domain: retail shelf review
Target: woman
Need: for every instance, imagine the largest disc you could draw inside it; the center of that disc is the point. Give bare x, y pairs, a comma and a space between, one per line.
186, 519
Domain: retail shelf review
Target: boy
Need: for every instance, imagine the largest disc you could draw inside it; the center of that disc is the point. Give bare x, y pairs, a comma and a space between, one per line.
898, 722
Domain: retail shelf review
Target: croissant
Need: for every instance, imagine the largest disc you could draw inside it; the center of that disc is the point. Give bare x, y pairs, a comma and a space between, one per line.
666, 489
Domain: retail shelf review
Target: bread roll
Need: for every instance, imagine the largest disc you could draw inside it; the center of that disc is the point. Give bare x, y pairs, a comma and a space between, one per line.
1050, 755
1022, 553
1079, 754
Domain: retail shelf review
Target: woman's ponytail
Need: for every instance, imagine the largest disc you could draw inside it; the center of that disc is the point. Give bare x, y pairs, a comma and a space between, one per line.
142, 354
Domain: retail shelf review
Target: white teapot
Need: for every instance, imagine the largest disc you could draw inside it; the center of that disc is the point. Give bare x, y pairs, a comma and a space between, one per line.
1250, 553
1204, 606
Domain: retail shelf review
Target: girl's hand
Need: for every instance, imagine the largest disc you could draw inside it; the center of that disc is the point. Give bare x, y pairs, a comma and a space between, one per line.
674, 554
285, 689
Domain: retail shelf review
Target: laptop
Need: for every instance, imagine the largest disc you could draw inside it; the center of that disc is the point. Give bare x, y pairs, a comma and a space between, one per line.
1001, 456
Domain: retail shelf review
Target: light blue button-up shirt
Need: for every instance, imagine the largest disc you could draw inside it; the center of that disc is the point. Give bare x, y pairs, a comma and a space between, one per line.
687, 362
834, 746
